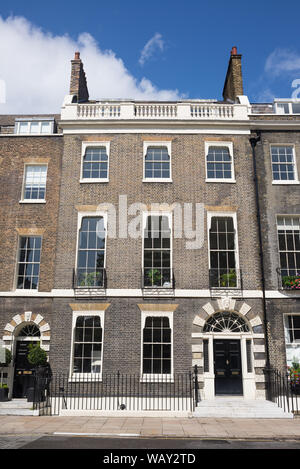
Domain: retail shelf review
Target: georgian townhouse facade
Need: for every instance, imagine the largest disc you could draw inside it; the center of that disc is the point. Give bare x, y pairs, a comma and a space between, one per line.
277, 154
132, 243
30, 168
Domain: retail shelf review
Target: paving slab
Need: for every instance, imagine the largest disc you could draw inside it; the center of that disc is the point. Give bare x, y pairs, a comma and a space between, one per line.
152, 426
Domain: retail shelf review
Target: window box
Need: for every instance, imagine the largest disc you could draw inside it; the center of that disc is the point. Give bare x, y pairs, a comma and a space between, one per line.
289, 282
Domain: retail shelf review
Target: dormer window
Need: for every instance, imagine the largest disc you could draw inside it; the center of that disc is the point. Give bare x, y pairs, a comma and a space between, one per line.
33, 126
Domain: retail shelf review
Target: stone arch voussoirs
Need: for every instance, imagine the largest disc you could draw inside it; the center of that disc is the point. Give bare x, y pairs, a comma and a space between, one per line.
22, 319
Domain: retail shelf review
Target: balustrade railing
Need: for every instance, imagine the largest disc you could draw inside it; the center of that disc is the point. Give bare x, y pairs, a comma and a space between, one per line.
183, 110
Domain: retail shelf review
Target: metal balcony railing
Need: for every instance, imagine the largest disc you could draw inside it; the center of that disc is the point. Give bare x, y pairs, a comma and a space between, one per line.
288, 279
89, 278
158, 277
225, 278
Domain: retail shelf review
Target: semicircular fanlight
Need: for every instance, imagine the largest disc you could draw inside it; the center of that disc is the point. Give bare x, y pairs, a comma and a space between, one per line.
30, 330
226, 322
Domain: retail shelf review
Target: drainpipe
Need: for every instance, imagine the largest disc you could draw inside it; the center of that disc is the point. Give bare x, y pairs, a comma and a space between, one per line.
253, 142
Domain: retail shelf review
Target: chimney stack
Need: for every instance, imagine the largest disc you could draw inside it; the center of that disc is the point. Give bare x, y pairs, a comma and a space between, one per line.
78, 83
233, 85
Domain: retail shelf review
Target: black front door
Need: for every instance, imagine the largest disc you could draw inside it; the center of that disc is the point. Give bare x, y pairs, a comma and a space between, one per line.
23, 377
228, 367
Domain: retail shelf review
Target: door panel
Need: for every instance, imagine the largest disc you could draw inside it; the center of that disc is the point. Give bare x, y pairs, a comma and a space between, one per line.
228, 367
23, 376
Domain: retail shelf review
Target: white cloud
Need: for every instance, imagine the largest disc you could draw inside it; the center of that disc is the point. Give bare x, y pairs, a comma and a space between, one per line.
154, 44
282, 61
35, 66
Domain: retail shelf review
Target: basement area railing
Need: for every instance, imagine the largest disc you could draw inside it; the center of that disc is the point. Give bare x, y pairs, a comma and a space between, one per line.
283, 389
114, 392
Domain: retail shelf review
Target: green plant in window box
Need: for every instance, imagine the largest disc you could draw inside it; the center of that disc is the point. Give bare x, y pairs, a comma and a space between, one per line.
291, 282
3, 386
91, 279
154, 276
229, 279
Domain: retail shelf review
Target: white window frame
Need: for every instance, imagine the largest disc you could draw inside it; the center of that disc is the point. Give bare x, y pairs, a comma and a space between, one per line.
210, 215
100, 144
291, 348
17, 264
34, 121
282, 181
228, 145
144, 224
89, 376
90, 214
33, 201
146, 145
157, 377
278, 216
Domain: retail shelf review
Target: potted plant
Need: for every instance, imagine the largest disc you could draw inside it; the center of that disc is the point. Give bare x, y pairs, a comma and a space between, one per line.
154, 277
229, 279
291, 282
294, 373
38, 358
3, 386
91, 279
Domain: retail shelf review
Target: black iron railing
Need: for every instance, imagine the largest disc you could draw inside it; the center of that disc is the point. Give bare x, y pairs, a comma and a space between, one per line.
158, 277
89, 278
115, 392
288, 279
225, 278
283, 389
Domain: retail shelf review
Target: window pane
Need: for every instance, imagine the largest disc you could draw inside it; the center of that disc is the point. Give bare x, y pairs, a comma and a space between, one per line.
87, 345
218, 163
35, 182
157, 345
29, 262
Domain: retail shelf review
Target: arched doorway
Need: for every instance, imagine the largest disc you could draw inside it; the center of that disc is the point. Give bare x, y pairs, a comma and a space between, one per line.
226, 330
23, 370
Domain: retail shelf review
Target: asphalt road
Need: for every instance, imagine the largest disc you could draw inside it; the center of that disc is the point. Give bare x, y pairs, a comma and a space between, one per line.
96, 443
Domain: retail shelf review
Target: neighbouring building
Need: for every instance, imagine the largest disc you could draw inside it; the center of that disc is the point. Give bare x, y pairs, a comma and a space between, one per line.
145, 238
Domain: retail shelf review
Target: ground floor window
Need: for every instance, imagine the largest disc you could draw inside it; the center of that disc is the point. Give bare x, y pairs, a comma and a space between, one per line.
157, 346
87, 344
292, 338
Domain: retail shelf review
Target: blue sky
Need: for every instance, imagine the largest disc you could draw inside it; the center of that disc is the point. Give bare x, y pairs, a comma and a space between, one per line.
160, 49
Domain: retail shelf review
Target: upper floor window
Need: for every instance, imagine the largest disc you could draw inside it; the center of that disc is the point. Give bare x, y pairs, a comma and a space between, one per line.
29, 262
157, 161
219, 162
289, 251
157, 252
95, 163
91, 253
223, 252
34, 127
35, 183
283, 163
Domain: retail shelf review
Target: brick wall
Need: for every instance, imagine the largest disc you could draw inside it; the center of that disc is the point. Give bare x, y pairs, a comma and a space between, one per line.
124, 256
15, 152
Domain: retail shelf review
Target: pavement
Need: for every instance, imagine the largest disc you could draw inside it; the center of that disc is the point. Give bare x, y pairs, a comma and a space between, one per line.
153, 427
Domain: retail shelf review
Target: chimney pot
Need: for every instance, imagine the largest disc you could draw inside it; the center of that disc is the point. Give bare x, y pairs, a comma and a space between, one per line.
234, 50
77, 55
